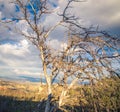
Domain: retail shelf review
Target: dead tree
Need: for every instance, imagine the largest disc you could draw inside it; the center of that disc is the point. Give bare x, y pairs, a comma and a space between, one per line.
88, 59
89, 54
32, 13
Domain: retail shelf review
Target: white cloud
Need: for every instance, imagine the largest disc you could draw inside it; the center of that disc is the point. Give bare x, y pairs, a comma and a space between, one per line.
19, 49
26, 72
7, 8
63, 45
100, 12
0, 15
20, 58
103, 12
57, 45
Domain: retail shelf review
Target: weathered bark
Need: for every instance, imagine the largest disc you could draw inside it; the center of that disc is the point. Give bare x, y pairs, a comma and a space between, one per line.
64, 92
107, 110
47, 108
62, 97
48, 81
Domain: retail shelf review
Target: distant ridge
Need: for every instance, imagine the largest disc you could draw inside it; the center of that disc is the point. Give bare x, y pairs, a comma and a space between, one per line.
22, 78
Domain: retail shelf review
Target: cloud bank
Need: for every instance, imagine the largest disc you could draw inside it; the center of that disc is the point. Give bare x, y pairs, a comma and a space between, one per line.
18, 57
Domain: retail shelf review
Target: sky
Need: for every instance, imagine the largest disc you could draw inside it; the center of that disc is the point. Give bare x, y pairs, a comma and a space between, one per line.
19, 58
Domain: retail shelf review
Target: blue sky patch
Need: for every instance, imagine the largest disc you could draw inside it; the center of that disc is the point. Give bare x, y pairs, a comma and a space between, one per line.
17, 9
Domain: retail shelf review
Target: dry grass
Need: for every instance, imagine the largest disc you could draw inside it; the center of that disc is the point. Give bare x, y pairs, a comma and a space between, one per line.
28, 95
22, 91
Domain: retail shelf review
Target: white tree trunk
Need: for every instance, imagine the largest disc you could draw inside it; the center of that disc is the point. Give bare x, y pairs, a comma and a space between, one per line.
62, 97
47, 108
48, 81
64, 92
